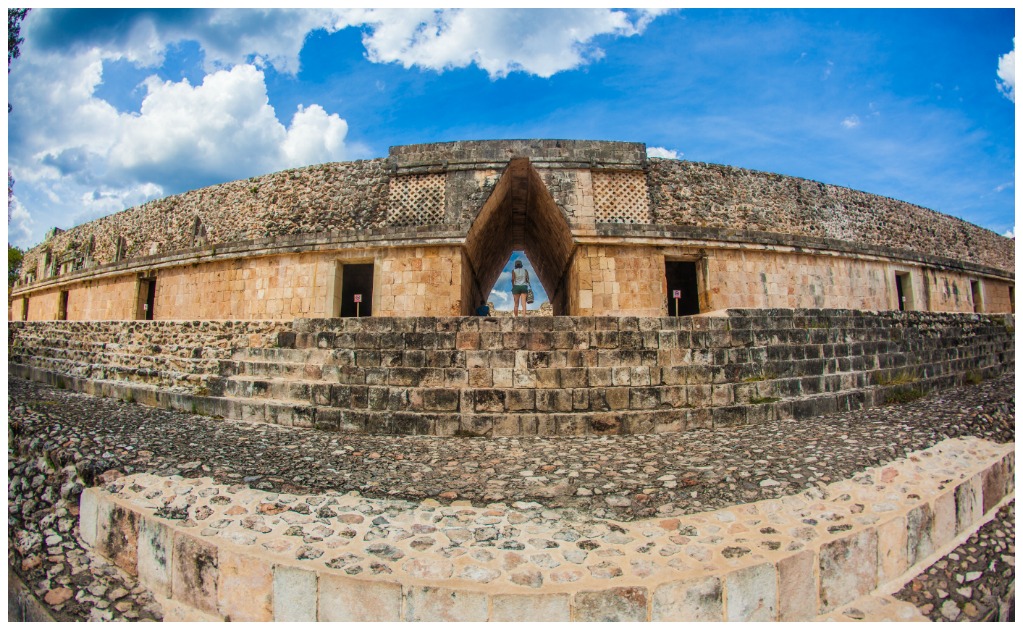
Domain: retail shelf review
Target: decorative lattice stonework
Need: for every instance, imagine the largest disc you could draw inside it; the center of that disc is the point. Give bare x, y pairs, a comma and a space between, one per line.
621, 197
416, 200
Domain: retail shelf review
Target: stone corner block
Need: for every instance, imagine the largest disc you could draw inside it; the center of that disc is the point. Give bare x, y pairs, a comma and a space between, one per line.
553, 607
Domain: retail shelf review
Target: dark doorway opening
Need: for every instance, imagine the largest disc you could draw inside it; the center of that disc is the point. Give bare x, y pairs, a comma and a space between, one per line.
357, 284
62, 308
24, 309
147, 299
681, 277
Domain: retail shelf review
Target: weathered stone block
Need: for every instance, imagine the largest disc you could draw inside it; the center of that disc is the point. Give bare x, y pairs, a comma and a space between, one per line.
529, 608
345, 599
944, 519
117, 536
698, 599
797, 587
752, 594
969, 502
919, 530
196, 573
427, 603
294, 594
245, 587
997, 482
88, 515
848, 569
155, 556
892, 549
615, 604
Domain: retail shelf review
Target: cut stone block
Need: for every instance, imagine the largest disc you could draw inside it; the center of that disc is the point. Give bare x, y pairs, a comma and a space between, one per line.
196, 573
752, 594
245, 588
345, 599
294, 594
698, 599
848, 569
615, 604
426, 603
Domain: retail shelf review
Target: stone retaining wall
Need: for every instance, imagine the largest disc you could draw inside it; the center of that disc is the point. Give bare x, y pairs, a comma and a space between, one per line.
527, 376
215, 552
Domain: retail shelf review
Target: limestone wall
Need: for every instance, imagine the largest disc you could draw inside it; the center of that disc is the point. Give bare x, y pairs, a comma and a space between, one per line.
711, 195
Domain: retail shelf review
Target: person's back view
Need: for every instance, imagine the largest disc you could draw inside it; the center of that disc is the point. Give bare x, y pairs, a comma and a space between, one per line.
520, 286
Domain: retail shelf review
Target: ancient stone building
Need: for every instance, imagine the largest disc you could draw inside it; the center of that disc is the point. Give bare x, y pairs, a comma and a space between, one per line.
427, 231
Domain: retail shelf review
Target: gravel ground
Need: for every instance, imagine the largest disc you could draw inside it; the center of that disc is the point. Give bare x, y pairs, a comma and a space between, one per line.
618, 477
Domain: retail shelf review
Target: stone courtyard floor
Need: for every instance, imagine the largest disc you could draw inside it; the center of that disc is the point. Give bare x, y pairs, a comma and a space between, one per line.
620, 478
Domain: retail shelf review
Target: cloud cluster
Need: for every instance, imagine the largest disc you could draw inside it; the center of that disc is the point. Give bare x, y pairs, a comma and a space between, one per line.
499, 41
661, 152
1007, 73
76, 157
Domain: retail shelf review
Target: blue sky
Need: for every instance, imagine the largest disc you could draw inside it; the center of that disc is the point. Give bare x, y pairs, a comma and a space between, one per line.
115, 107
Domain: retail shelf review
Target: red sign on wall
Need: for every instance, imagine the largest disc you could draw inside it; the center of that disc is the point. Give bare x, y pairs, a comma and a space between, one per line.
358, 297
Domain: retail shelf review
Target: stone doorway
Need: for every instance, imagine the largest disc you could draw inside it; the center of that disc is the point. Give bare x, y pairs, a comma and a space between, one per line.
146, 303
357, 290
520, 215
680, 275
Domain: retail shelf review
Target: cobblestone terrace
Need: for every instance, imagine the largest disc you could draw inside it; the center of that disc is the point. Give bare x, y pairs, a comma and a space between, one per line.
62, 440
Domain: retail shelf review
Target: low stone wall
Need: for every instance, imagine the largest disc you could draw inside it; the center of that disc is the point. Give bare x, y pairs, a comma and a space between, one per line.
528, 376
214, 552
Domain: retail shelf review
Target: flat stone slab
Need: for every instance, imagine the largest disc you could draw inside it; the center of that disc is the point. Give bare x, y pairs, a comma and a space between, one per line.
335, 556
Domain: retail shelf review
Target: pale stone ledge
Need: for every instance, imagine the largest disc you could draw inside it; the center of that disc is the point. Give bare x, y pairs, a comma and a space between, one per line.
215, 552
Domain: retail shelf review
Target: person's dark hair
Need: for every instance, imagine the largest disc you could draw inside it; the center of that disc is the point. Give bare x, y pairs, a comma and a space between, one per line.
518, 263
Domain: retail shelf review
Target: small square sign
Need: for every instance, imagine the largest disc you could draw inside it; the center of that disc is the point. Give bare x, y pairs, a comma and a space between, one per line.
358, 297
677, 294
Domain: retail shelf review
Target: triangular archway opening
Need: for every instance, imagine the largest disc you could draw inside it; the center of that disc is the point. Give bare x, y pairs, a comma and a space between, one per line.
520, 215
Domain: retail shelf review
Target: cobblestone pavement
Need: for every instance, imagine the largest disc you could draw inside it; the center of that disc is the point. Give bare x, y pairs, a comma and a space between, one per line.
88, 440
968, 583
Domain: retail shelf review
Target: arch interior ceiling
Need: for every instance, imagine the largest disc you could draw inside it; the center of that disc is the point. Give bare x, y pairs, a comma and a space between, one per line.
521, 215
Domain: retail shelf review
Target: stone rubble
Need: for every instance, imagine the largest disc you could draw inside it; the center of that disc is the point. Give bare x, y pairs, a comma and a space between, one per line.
61, 441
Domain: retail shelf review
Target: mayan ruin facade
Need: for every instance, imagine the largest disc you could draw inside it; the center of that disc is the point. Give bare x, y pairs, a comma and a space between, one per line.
426, 231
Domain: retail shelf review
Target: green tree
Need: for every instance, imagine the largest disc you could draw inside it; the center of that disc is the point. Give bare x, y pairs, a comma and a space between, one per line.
15, 255
14, 38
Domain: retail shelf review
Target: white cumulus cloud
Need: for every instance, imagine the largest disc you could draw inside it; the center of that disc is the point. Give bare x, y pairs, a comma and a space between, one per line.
851, 122
661, 152
1007, 73
499, 41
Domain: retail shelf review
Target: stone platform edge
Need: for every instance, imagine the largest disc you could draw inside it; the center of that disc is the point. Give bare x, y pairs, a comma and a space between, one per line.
788, 559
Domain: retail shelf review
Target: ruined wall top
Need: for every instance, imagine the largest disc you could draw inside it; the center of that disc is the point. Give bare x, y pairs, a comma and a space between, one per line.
483, 154
425, 189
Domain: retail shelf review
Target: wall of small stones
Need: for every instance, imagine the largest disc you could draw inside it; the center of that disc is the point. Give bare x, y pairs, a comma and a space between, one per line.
712, 195
526, 376
334, 197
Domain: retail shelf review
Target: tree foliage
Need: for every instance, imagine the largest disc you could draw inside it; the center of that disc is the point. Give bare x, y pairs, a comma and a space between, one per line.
15, 255
14, 38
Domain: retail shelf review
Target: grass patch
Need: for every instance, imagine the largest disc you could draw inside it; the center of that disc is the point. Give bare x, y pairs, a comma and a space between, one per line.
973, 378
901, 396
766, 375
900, 378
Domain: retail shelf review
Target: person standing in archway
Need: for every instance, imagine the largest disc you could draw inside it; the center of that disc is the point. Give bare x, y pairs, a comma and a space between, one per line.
520, 286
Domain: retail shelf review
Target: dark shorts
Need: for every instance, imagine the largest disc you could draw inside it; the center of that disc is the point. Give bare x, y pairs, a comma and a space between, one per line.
519, 289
